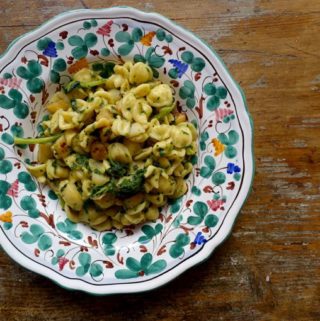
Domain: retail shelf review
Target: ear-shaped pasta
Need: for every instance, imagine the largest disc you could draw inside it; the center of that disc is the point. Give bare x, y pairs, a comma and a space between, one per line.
120, 127
192, 129
121, 70
158, 199
181, 136
162, 148
126, 106
135, 130
38, 171
160, 96
141, 111
167, 186
177, 154
54, 170
44, 153
114, 81
133, 201
84, 75
106, 201
160, 132
140, 73
143, 154
181, 188
59, 101
141, 90
104, 226
68, 120
134, 148
71, 195
60, 148
152, 213
112, 95
119, 153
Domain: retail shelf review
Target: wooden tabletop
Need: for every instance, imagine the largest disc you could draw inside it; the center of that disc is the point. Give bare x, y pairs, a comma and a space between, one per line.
269, 269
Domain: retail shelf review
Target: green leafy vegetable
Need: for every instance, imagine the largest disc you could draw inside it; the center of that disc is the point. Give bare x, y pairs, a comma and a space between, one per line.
36, 140
117, 169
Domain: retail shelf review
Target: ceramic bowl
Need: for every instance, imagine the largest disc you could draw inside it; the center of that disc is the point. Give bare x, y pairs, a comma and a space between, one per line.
35, 232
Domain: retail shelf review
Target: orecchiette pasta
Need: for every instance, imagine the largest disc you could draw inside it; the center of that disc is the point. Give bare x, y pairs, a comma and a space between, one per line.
122, 148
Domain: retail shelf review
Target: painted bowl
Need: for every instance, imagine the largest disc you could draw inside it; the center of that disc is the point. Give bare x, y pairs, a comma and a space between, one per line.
34, 230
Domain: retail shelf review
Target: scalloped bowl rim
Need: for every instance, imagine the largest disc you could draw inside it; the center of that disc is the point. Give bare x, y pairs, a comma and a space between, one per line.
226, 228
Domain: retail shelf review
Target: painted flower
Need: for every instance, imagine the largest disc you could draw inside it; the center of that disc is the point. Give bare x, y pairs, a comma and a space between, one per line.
13, 82
215, 204
50, 50
218, 146
6, 217
232, 168
62, 261
179, 68
105, 30
147, 38
199, 239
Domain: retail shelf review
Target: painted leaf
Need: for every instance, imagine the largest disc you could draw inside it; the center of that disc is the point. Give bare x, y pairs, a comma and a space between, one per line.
6, 103
122, 36
218, 178
210, 162
45, 242
233, 137
222, 92
197, 64
75, 41
205, 171
176, 251
200, 208
148, 231
183, 239
90, 40
126, 274
213, 103
133, 265
80, 52
109, 238
156, 61
187, 57
146, 261
96, 270
136, 34
139, 58
230, 152
157, 267
211, 220
84, 259
210, 89
35, 68
125, 49
28, 238
194, 220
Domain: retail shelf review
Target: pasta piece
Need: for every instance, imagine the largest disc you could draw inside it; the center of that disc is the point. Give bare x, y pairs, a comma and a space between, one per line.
152, 213
71, 195
119, 153
44, 153
160, 96
140, 73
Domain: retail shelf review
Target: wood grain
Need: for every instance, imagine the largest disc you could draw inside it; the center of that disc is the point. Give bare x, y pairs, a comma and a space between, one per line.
269, 269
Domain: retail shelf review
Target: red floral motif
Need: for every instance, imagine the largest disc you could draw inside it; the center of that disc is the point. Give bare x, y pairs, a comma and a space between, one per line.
215, 204
105, 30
62, 261
14, 188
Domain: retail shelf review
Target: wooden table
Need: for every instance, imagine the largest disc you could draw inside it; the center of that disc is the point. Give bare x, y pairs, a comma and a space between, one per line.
269, 269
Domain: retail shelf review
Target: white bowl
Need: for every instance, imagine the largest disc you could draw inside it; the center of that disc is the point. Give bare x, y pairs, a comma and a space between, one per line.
34, 230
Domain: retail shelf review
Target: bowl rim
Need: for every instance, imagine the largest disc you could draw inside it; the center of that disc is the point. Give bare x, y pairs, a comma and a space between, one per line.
198, 258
